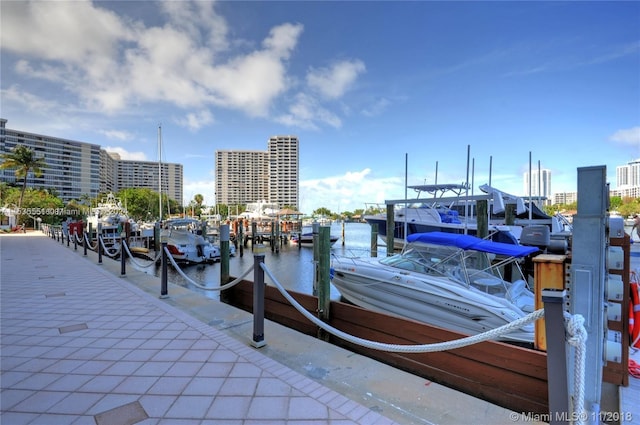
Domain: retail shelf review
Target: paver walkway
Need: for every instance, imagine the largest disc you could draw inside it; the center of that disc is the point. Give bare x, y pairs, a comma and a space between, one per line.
81, 346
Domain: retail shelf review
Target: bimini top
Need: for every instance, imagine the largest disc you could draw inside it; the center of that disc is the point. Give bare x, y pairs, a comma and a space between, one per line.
471, 242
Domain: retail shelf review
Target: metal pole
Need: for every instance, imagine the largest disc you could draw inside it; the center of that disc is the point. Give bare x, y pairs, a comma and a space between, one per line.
164, 293
258, 297
553, 300
84, 243
224, 254
315, 229
99, 243
123, 256
240, 237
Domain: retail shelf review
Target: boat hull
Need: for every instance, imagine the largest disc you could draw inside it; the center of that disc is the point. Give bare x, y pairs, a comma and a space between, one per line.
434, 301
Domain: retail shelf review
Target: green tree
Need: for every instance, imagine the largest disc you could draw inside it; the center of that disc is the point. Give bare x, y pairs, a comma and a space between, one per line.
23, 160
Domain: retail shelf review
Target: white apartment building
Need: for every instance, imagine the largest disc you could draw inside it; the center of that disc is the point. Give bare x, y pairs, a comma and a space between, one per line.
72, 168
244, 177
77, 168
284, 156
628, 180
539, 185
117, 174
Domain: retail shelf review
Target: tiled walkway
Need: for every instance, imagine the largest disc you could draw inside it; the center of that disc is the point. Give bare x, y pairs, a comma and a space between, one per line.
80, 346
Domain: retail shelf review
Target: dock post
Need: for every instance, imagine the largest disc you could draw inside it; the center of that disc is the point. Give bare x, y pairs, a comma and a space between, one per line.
315, 229
99, 243
391, 226
156, 237
123, 256
164, 293
324, 279
84, 242
482, 218
343, 231
258, 296
276, 240
374, 240
240, 237
556, 356
75, 239
254, 234
224, 254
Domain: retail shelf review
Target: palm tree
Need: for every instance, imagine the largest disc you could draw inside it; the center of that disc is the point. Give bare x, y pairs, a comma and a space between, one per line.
23, 160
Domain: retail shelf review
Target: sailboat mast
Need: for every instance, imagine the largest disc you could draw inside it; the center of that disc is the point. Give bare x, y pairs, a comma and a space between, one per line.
160, 171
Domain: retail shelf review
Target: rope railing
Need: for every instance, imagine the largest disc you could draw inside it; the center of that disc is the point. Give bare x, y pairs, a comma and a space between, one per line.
107, 250
574, 325
89, 244
134, 261
576, 334
206, 288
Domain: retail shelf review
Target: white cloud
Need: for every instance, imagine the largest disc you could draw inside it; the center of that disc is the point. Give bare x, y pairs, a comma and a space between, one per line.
118, 135
629, 136
196, 120
111, 62
126, 155
206, 188
348, 192
306, 112
333, 82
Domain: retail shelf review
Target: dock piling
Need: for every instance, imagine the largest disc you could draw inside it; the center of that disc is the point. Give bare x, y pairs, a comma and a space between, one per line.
164, 293
554, 300
224, 254
258, 296
123, 256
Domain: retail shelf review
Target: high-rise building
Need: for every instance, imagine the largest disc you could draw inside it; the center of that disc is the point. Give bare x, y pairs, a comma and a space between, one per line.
539, 185
72, 168
284, 158
628, 180
241, 177
77, 168
244, 177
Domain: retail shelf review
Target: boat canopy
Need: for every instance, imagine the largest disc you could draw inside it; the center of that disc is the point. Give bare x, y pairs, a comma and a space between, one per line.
471, 242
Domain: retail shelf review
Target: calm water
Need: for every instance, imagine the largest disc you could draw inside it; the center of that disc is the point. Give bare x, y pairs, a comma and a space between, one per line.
292, 266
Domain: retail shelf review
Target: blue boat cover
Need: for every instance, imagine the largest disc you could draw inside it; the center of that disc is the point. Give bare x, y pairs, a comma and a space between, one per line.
471, 242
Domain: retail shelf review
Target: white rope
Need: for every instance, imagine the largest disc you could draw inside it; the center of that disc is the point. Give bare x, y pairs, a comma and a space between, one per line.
107, 251
206, 288
134, 261
396, 348
89, 245
578, 339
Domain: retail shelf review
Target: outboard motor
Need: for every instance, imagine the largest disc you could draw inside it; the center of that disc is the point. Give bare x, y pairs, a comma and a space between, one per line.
537, 235
540, 236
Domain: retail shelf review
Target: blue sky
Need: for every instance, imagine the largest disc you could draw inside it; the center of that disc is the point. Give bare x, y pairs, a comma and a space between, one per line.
362, 84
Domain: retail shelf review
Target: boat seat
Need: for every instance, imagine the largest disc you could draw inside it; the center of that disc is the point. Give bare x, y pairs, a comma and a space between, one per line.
521, 296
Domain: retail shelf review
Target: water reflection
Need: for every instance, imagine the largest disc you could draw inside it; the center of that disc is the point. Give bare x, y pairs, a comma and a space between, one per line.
292, 266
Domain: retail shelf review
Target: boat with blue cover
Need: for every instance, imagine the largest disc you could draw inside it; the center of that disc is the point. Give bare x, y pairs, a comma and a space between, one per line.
453, 281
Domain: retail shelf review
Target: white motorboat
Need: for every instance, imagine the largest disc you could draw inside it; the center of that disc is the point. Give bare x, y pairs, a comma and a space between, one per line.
305, 239
438, 213
456, 213
186, 243
111, 217
446, 280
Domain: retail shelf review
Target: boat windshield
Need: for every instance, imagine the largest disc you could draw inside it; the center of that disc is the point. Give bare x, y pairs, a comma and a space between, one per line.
469, 268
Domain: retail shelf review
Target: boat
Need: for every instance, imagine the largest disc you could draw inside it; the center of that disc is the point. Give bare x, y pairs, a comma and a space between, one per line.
186, 243
453, 281
306, 239
111, 217
448, 208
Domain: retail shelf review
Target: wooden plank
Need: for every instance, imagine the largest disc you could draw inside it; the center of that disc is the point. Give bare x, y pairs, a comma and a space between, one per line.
504, 374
